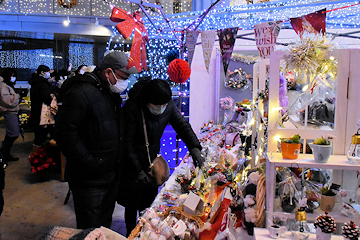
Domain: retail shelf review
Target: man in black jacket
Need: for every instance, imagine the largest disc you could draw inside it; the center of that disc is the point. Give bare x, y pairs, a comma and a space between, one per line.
88, 132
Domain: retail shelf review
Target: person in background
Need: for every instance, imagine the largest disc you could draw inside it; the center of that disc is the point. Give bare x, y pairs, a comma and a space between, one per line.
9, 108
40, 93
88, 132
80, 70
9, 75
153, 100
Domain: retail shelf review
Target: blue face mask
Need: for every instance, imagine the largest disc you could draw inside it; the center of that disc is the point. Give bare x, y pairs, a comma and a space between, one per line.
156, 109
47, 75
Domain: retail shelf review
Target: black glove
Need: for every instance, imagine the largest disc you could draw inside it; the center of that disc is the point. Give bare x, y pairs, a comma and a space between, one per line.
198, 160
143, 177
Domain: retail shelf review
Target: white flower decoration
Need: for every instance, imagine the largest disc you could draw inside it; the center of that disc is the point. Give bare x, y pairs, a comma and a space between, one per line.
254, 177
249, 200
250, 214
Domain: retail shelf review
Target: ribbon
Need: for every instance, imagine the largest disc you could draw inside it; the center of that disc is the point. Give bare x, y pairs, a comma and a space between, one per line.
127, 24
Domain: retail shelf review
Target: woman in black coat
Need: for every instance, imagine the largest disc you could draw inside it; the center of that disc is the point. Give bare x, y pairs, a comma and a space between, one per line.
153, 98
39, 94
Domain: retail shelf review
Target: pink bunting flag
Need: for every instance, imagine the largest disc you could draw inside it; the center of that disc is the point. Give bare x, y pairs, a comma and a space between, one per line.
265, 36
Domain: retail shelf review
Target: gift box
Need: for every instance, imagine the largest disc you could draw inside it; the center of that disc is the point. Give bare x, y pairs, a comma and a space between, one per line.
193, 204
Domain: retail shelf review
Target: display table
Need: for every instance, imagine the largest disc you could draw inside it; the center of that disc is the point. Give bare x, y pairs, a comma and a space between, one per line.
263, 234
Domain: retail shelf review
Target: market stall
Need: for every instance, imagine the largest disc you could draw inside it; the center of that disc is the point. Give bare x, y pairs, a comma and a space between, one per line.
227, 195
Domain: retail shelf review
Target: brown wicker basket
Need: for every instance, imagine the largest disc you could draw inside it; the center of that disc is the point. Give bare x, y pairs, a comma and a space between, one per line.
176, 211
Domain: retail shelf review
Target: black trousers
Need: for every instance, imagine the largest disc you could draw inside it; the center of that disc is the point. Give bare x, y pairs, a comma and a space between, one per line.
94, 206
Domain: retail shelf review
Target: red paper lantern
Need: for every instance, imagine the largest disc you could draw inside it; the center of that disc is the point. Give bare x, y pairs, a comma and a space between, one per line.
179, 70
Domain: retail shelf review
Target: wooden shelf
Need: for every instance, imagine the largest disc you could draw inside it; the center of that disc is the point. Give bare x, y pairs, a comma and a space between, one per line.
310, 217
336, 162
263, 234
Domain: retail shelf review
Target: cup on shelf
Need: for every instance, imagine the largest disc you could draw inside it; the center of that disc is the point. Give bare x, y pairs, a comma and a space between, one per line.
276, 231
321, 152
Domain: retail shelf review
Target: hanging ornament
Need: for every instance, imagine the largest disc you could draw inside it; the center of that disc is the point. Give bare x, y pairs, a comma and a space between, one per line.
126, 26
310, 54
244, 59
179, 71
238, 79
63, 4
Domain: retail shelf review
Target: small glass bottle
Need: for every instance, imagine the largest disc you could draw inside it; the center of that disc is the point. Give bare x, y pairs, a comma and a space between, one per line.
300, 229
353, 153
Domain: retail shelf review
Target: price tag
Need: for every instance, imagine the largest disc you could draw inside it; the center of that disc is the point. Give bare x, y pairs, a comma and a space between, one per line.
179, 227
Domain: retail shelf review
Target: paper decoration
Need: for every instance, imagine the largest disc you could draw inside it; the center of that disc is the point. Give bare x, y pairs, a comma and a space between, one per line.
179, 70
191, 37
226, 41
127, 24
265, 36
207, 42
311, 23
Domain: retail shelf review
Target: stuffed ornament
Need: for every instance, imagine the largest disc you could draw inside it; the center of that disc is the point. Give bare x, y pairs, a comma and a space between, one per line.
283, 99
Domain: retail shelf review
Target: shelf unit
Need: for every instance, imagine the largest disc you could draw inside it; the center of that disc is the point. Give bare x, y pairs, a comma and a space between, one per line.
336, 162
263, 234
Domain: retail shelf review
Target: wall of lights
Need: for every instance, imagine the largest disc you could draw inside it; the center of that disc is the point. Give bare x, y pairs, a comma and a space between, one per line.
86, 7
81, 54
30, 59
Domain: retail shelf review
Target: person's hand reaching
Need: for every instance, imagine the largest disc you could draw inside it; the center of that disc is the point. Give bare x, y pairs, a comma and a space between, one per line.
197, 158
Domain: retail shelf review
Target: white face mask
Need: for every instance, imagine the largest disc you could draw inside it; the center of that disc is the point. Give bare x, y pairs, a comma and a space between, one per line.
13, 79
119, 86
81, 72
156, 109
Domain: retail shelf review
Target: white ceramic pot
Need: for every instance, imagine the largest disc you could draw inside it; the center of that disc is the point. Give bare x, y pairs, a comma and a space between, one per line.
321, 235
321, 152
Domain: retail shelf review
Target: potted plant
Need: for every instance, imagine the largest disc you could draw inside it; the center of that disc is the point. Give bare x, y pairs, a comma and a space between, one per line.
290, 147
327, 200
321, 148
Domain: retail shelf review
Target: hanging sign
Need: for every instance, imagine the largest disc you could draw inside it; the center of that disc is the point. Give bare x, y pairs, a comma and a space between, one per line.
226, 41
207, 42
311, 23
265, 36
191, 37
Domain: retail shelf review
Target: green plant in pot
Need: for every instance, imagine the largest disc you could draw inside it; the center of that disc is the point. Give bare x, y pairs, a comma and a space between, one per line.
321, 148
290, 147
327, 201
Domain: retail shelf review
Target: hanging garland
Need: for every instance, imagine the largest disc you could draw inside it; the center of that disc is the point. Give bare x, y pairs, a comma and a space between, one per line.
244, 59
238, 79
65, 5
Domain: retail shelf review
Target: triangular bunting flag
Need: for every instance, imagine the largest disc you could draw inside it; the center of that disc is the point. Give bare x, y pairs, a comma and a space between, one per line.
207, 42
265, 36
191, 37
312, 23
227, 39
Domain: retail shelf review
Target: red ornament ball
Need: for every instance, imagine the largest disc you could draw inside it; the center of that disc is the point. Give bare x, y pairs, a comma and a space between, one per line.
179, 70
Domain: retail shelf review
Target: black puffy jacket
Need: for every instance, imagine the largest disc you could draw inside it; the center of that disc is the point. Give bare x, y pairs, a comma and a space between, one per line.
134, 140
87, 131
39, 94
